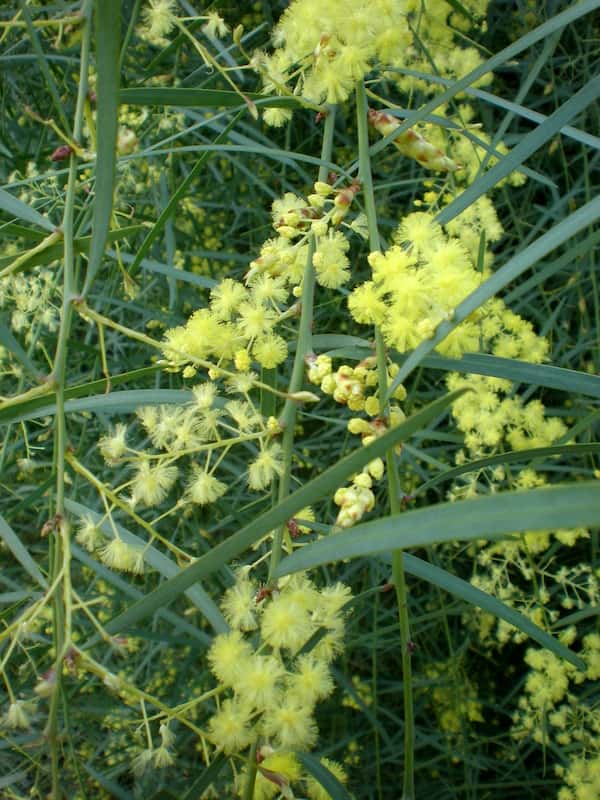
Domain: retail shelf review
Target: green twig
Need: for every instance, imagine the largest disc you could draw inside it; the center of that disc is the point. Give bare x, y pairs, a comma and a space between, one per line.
394, 493
251, 775
60, 539
303, 346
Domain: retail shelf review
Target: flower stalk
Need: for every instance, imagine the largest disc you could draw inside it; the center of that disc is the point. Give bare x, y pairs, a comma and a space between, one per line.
60, 549
303, 347
394, 493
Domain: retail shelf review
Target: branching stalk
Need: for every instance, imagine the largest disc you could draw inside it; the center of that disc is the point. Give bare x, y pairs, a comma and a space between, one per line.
394, 493
60, 540
303, 347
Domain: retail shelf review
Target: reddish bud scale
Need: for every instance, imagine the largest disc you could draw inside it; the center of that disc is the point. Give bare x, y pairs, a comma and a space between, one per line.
275, 777
61, 153
412, 144
262, 594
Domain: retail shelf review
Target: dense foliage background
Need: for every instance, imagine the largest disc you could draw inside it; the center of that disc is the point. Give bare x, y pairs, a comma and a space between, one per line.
125, 203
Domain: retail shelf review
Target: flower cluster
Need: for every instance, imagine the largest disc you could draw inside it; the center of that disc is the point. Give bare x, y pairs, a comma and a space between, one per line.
320, 52
551, 710
453, 697
273, 667
491, 414
32, 301
418, 283
321, 215
239, 324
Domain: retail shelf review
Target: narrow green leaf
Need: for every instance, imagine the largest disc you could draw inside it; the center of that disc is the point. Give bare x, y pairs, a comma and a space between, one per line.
204, 98
20, 552
329, 341
55, 251
151, 265
456, 586
157, 560
326, 483
567, 380
8, 598
24, 231
527, 145
561, 506
327, 779
108, 43
27, 408
42, 61
577, 616
512, 457
114, 402
19, 210
580, 249
14, 777
559, 234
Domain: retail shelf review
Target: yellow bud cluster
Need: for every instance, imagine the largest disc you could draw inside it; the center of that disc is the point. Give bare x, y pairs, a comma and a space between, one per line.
348, 386
354, 501
294, 218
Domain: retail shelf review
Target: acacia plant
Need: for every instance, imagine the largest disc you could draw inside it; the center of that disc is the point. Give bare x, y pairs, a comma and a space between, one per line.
299, 348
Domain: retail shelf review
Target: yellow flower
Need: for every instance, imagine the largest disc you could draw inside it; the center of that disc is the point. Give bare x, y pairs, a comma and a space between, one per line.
265, 467
151, 484
204, 488
290, 724
228, 655
230, 727
270, 350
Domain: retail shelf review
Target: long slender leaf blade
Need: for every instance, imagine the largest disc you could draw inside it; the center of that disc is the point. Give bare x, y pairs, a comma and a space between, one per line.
21, 410
55, 251
20, 552
528, 145
108, 38
17, 208
327, 779
204, 98
567, 380
111, 403
567, 506
326, 483
42, 60
460, 588
511, 457
151, 265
